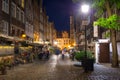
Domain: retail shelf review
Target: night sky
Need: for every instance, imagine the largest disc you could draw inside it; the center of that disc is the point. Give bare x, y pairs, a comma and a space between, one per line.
59, 12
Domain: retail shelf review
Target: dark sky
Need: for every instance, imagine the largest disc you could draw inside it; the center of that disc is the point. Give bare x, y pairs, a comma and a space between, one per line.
59, 12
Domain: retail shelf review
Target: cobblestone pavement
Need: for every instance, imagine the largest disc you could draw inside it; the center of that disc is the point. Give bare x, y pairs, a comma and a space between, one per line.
57, 69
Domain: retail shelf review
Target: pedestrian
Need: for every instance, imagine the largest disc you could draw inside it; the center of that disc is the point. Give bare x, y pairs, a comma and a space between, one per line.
63, 54
72, 54
47, 54
16, 52
57, 52
40, 55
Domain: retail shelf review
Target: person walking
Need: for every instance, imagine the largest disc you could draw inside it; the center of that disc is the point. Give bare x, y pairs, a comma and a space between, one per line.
63, 54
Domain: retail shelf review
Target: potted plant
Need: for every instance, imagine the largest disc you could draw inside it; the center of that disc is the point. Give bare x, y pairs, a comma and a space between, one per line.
86, 59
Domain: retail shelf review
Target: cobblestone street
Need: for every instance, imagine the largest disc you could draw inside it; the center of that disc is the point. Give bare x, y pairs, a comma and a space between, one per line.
57, 69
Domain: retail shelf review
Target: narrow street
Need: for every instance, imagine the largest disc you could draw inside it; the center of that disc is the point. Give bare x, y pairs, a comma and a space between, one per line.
57, 69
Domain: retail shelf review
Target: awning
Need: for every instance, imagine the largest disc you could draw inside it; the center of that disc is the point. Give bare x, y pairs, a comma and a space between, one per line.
11, 38
6, 37
35, 44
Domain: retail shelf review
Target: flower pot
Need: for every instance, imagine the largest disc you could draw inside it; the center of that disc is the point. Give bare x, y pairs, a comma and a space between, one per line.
88, 64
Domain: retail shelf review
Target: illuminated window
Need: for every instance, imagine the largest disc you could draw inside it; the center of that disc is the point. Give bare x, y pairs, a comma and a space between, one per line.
22, 4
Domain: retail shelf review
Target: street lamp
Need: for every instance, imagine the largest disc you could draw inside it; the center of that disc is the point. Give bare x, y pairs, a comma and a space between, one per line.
85, 10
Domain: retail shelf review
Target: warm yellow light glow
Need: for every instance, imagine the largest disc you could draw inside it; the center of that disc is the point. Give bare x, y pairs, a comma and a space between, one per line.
74, 44
22, 3
23, 35
41, 42
68, 46
6, 46
55, 42
46, 42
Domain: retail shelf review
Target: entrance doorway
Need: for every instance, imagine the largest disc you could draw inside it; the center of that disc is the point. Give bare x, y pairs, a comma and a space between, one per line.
104, 56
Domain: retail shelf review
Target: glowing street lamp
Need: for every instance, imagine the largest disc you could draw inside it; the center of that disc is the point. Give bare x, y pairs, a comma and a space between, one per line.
85, 10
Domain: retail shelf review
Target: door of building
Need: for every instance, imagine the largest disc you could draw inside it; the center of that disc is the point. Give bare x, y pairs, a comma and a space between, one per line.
104, 56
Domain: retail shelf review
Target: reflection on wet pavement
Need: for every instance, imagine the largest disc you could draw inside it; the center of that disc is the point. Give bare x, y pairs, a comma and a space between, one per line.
57, 69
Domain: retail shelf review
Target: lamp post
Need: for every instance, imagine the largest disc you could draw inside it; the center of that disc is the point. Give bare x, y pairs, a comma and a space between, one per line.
85, 10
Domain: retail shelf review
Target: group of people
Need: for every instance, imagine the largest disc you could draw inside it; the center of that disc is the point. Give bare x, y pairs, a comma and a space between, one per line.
58, 51
44, 53
64, 52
